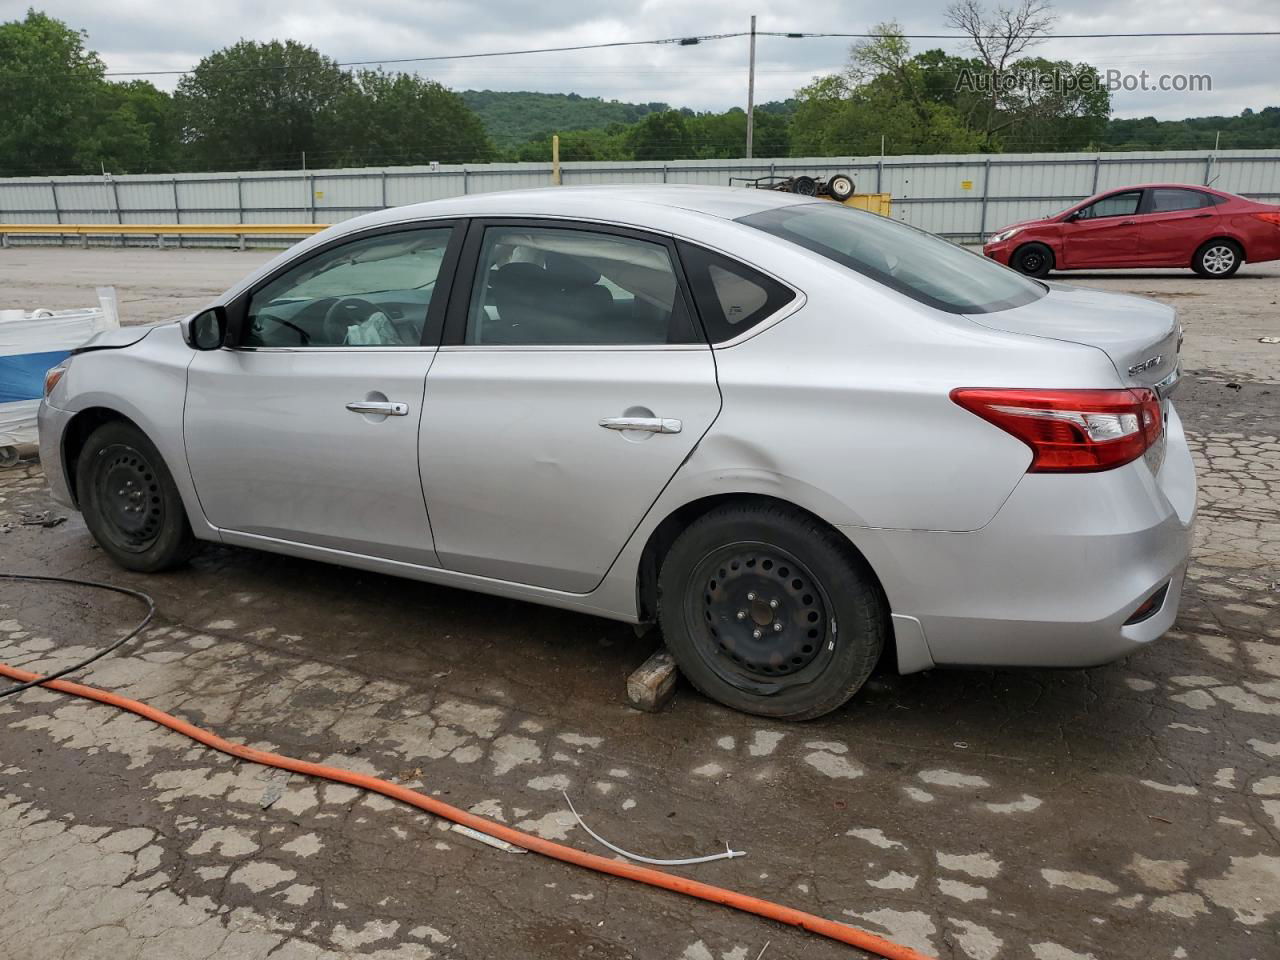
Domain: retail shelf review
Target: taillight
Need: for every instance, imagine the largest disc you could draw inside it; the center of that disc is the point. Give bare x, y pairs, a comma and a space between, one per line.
1271, 218
1071, 431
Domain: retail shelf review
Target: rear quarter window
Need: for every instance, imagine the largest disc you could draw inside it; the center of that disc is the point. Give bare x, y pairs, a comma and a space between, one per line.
731, 297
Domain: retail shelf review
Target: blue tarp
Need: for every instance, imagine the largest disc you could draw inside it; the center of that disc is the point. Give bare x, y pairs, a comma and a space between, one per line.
22, 374
30, 343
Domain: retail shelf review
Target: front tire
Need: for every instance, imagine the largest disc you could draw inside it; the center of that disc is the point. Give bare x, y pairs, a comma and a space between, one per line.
1218, 259
130, 502
1033, 259
770, 612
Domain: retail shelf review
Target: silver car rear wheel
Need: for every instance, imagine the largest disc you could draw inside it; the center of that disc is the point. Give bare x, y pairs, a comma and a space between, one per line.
771, 612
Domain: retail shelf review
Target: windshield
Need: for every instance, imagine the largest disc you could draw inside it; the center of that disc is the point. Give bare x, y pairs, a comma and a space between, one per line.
918, 264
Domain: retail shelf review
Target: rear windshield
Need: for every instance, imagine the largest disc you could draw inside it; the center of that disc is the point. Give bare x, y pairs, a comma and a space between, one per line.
910, 261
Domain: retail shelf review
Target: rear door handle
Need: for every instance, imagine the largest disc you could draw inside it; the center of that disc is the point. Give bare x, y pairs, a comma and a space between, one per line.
383, 408
1202, 216
1128, 223
648, 424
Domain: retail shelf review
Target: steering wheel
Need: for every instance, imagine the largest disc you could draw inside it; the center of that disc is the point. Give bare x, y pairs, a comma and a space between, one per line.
344, 313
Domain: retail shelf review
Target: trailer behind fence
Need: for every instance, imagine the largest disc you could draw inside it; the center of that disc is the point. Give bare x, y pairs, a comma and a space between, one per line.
965, 197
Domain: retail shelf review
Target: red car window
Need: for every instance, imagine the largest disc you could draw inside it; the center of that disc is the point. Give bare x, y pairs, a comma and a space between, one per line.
1116, 205
1167, 200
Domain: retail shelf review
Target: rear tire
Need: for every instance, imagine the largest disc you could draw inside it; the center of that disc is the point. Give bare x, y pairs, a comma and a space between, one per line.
130, 502
1033, 259
840, 187
770, 612
1218, 259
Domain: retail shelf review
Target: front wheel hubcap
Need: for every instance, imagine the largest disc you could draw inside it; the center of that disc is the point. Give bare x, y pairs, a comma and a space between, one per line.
762, 621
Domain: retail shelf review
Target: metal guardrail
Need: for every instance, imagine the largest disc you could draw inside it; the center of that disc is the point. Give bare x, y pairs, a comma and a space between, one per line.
158, 230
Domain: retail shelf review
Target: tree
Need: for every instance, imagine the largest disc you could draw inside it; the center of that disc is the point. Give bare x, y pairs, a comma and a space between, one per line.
884, 92
999, 37
259, 105
662, 136
49, 84
838, 118
136, 129
383, 118
723, 136
607, 144
1069, 114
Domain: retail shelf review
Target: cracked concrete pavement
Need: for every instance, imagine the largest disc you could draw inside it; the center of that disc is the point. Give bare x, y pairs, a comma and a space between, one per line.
1129, 810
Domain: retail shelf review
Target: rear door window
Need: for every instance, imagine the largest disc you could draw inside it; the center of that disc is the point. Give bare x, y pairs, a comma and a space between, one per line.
731, 297
1169, 200
549, 286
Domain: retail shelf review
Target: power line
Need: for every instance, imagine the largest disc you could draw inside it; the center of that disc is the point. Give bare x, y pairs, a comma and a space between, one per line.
710, 37
679, 41
1047, 36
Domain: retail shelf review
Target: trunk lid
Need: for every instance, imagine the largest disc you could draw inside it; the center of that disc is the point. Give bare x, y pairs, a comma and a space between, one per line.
1142, 337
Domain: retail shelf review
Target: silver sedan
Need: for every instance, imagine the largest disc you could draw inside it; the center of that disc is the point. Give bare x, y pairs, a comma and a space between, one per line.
798, 437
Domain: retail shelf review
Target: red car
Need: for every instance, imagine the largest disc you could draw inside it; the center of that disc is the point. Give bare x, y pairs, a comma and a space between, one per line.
1155, 225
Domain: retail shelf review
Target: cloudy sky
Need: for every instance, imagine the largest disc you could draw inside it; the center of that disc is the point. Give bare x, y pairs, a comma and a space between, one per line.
137, 35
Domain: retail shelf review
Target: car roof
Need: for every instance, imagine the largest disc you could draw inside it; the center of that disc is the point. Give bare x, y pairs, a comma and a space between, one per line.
1164, 186
618, 202
679, 209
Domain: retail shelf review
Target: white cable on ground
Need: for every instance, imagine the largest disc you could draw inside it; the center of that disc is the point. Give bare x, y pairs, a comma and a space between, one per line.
727, 855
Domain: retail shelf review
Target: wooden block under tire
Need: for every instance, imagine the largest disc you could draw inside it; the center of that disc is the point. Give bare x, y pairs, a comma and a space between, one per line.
653, 684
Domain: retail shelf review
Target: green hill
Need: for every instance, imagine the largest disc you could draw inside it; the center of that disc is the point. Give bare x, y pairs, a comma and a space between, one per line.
1251, 129
516, 119
513, 117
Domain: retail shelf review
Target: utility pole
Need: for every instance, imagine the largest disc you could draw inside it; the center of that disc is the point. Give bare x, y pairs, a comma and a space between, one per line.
751, 91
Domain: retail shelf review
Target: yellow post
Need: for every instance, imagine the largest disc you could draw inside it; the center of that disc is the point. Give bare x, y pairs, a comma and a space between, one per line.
555, 159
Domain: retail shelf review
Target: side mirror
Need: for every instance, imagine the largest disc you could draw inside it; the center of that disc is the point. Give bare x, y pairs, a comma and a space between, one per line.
206, 330
1072, 217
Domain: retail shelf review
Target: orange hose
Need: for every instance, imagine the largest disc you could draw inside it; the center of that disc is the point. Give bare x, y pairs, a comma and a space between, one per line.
831, 929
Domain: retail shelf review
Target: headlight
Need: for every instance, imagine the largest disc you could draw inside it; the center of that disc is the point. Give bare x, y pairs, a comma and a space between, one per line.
1003, 235
53, 375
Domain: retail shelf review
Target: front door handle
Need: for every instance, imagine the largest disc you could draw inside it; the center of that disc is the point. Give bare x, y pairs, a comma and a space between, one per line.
648, 424
1128, 223
380, 408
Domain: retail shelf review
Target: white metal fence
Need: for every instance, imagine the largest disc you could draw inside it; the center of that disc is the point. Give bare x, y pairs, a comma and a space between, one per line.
965, 197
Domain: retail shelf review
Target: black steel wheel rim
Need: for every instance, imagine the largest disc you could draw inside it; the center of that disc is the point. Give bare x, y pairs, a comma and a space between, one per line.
1032, 262
760, 620
128, 498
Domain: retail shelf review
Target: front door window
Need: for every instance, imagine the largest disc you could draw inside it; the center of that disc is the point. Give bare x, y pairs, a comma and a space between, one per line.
372, 292
1116, 205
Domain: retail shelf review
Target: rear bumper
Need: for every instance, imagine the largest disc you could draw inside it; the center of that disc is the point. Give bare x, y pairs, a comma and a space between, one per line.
1053, 578
52, 423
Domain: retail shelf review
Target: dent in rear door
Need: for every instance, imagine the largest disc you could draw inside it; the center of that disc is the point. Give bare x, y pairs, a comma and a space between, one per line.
523, 483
